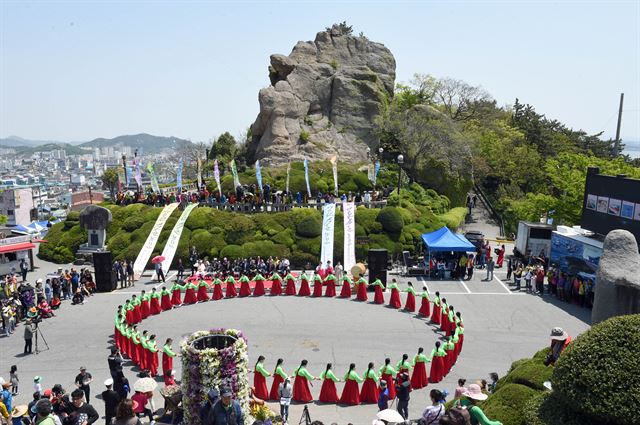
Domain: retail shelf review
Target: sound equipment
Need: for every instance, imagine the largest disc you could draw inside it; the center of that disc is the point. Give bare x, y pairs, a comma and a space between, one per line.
378, 259
106, 279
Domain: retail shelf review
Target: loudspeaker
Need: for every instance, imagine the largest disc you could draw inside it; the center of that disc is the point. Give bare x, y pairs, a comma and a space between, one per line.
378, 259
106, 279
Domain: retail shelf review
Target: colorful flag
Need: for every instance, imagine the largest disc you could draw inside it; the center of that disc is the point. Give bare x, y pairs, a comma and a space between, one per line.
216, 176
259, 176
234, 171
124, 170
288, 174
121, 178
306, 176
138, 175
179, 177
334, 164
371, 173
154, 181
376, 170
199, 165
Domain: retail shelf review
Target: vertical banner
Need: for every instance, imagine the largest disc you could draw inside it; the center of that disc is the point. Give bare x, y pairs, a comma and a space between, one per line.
306, 176
199, 165
138, 173
259, 177
376, 170
121, 178
328, 221
216, 176
179, 177
125, 172
370, 173
129, 175
288, 174
234, 171
171, 246
349, 209
152, 239
334, 165
154, 181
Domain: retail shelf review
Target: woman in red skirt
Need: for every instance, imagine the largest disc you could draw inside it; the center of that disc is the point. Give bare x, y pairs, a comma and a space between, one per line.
142, 351
361, 290
278, 378
176, 294
451, 321
231, 287
330, 283
435, 314
369, 392
388, 373
378, 297
128, 312
460, 330
276, 284
346, 287
145, 308
328, 393
449, 349
190, 293
419, 378
305, 290
394, 301
437, 364
152, 356
165, 299
167, 357
136, 315
444, 315
410, 304
301, 392
202, 291
217, 289
291, 284
258, 290
425, 304
245, 289
317, 285
154, 305
403, 365
260, 375
350, 391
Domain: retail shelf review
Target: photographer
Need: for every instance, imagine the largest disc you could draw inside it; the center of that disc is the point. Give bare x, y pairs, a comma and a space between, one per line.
403, 389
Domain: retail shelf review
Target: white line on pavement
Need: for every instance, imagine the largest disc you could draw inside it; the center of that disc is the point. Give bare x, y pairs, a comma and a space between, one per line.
465, 286
503, 285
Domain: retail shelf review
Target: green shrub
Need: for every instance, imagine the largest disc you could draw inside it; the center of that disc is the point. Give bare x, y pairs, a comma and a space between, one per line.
285, 237
454, 218
202, 240
133, 223
265, 249
143, 232
119, 242
309, 245
305, 136
73, 216
391, 219
309, 227
546, 408
506, 404
599, 373
199, 219
232, 252
302, 259
73, 238
531, 372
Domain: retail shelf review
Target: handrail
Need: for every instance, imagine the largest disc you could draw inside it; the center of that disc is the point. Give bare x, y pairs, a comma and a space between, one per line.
496, 216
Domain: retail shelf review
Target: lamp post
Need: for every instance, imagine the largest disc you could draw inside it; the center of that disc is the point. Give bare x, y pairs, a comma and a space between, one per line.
124, 165
400, 162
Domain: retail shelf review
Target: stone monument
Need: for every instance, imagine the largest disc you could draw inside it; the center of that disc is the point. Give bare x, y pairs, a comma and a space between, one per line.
617, 290
94, 219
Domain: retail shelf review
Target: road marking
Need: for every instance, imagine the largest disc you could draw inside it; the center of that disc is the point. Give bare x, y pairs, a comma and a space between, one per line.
441, 293
503, 285
168, 277
465, 286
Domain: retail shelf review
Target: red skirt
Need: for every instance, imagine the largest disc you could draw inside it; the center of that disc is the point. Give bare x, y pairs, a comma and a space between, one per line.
260, 386
167, 363
410, 304
231, 290
152, 363
305, 290
419, 377
245, 289
391, 386
317, 289
175, 297
274, 394
435, 315
331, 288
155, 308
444, 321
425, 308
369, 392
362, 292
379, 296
350, 393
328, 393
291, 287
258, 291
190, 296
142, 357
137, 315
394, 301
129, 316
165, 302
217, 292
346, 290
301, 391
202, 293
437, 369
276, 287
145, 310
461, 337
133, 353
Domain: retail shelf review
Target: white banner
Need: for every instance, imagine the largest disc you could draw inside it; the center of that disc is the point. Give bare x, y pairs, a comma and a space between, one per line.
171, 246
152, 239
349, 209
328, 221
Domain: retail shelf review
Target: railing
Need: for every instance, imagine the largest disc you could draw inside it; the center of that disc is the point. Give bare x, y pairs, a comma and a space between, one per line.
246, 207
494, 214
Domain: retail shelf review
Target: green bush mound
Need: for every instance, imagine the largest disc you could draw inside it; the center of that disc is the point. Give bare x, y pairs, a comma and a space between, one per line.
309, 227
546, 408
531, 373
391, 219
453, 218
507, 403
599, 373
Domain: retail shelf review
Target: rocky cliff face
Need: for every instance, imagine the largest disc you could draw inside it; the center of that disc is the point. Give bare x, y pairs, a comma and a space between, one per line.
323, 99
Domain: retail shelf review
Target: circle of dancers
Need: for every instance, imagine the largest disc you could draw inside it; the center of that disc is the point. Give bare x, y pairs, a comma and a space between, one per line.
422, 368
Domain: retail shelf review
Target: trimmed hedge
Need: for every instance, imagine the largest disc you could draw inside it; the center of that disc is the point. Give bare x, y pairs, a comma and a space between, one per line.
546, 408
531, 373
507, 403
391, 219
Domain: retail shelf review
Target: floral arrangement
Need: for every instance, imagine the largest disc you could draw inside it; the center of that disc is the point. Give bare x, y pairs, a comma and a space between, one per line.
204, 369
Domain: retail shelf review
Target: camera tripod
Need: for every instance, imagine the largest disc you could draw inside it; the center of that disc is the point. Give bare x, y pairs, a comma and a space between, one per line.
38, 331
305, 418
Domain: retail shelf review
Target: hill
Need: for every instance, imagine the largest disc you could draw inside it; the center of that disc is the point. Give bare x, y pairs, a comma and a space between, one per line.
146, 142
68, 148
16, 141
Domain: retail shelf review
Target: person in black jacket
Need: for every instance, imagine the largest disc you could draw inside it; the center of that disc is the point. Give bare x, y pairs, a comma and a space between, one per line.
83, 413
403, 388
111, 400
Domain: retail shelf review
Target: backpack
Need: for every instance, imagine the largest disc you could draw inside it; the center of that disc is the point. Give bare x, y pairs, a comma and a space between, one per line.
456, 416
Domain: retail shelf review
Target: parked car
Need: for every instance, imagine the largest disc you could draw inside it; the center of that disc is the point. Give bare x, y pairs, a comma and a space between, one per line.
476, 237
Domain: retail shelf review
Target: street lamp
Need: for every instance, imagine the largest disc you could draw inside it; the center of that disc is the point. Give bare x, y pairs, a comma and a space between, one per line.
124, 165
400, 162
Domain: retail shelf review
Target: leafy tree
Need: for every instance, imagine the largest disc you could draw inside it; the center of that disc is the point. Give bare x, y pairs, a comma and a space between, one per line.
110, 181
3, 219
342, 27
224, 147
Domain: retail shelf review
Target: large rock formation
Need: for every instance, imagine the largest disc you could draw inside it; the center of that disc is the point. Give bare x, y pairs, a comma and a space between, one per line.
617, 289
323, 99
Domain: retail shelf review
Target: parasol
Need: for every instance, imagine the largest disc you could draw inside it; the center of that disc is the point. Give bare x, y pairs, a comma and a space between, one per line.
145, 385
389, 415
157, 259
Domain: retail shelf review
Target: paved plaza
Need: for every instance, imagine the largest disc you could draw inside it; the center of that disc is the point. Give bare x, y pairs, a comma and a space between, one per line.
501, 326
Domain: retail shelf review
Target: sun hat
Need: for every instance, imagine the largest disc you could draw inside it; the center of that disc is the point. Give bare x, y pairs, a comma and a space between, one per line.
19, 411
83, 368
6, 384
108, 382
383, 384
474, 392
226, 392
47, 393
558, 334
32, 312
37, 378
39, 281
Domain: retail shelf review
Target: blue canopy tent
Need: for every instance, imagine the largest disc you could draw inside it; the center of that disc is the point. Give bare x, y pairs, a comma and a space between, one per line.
444, 239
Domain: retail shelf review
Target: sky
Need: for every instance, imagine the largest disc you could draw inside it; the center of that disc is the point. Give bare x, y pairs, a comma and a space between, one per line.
78, 70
